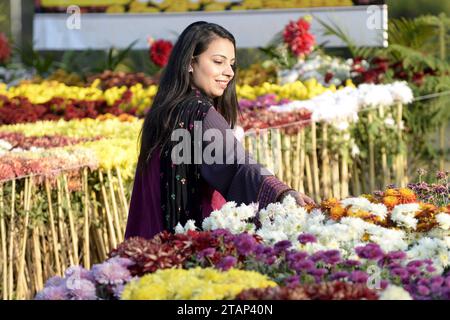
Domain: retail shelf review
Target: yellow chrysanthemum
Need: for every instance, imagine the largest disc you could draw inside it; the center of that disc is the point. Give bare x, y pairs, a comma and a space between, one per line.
198, 283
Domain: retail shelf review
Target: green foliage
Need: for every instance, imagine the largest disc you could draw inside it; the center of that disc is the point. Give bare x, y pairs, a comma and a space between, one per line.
42, 63
115, 59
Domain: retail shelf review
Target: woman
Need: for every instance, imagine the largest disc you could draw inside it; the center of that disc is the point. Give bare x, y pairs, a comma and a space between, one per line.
196, 95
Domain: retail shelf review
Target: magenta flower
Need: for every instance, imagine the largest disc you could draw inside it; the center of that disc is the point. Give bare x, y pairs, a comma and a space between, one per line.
111, 272
306, 237
226, 263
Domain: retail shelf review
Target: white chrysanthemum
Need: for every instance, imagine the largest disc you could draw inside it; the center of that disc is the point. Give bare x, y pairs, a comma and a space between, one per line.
393, 292
190, 225
444, 220
401, 92
179, 229
404, 215
5, 145
387, 239
431, 248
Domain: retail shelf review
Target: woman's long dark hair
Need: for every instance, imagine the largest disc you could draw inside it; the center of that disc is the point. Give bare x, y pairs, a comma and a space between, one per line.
176, 83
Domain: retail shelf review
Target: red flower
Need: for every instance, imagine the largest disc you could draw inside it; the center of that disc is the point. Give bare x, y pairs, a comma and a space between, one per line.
160, 51
5, 50
297, 36
328, 76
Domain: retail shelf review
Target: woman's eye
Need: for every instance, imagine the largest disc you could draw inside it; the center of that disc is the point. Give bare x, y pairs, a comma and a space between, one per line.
218, 62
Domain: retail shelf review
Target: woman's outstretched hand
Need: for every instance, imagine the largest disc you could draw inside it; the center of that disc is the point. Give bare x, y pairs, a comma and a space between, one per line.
302, 199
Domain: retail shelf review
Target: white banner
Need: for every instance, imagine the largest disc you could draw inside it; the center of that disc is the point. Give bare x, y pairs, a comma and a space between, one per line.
365, 25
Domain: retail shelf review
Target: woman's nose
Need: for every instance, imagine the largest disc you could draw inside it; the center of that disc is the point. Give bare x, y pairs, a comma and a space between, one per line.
229, 71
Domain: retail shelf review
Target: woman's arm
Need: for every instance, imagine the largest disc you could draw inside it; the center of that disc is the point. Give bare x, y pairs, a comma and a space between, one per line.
239, 177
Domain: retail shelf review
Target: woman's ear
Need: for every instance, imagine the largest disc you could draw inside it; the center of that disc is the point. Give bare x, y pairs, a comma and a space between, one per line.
191, 69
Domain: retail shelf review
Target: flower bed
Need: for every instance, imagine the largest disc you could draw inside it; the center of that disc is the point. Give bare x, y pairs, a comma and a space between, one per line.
303, 265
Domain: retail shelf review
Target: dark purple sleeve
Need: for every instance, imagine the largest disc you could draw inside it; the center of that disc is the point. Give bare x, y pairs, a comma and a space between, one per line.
238, 177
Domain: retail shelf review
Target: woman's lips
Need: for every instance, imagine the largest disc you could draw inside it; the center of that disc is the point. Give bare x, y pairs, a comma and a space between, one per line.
222, 84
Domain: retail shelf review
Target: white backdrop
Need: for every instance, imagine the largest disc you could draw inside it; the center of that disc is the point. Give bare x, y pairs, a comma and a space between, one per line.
367, 26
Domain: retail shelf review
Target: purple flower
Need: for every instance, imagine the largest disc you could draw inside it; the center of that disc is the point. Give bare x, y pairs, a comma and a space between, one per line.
447, 282
245, 244
292, 281
52, 293
441, 175
394, 265
399, 272
271, 260
415, 263
117, 290
339, 275
396, 255
413, 271
306, 237
371, 251
226, 263
222, 233
437, 280
331, 257
320, 272
317, 256
208, 252
430, 269
384, 284
423, 282
124, 262
79, 272
359, 276
303, 265
296, 256
111, 272
351, 263
422, 290
55, 281
282, 246
81, 289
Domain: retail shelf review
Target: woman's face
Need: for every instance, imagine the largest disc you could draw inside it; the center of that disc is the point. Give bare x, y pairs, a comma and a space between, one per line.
212, 70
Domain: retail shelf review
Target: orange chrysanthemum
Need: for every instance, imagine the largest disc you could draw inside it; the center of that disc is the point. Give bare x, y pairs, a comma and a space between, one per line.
337, 212
390, 201
407, 195
391, 192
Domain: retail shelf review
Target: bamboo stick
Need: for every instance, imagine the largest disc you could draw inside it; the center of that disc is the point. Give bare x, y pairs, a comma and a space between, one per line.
309, 178
117, 221
325, 174
335, 181
20, 273
122, 193
277, 154
72, 222
4, 248
344, 173
302, 147
286, 154
296, 141
267, 154
64, 242
399, 158
47, 253
357, 185
39, 284
371, 154
86, 253
315, 165
112, 235
98, 230
384, 166
11, 241
56, 255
